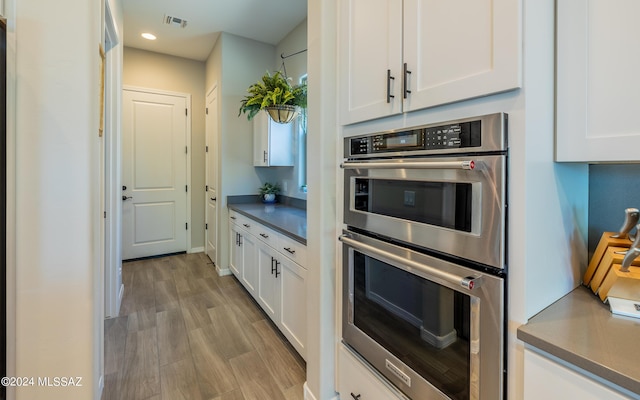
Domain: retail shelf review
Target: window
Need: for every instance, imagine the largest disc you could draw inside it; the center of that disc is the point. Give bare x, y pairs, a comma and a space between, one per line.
302, 145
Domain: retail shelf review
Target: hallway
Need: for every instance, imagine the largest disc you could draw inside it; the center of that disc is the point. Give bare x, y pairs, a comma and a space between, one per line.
186, 333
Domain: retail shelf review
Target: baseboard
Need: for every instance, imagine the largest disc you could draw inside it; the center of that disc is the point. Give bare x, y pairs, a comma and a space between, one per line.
100, 387
223, 271
196, 250
120, 296
307, 393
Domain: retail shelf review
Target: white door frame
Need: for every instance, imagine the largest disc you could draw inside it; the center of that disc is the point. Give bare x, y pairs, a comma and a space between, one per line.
187, 98
114, 289
211, 153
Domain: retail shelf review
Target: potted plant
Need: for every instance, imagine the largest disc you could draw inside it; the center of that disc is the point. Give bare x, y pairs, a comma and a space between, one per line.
268, 192
275, 94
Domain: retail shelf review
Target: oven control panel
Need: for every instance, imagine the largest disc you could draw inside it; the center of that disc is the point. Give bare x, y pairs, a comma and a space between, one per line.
473, 134
455, 136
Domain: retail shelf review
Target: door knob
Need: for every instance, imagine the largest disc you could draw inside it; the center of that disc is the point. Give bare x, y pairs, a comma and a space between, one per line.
126, 197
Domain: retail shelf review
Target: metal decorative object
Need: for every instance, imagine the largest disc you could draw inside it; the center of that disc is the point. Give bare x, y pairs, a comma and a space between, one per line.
282, 113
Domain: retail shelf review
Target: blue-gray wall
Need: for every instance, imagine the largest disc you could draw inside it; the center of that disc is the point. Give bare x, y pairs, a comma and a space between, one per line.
612, 188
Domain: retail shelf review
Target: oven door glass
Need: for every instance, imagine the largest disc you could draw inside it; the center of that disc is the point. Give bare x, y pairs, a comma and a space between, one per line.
422, 323
444, 204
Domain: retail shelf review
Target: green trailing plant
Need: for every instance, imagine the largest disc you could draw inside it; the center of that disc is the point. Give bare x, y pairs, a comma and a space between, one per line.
269, 188
272, 90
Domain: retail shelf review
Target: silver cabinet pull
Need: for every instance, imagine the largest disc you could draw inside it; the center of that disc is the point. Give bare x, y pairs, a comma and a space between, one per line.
467, 282
465, 164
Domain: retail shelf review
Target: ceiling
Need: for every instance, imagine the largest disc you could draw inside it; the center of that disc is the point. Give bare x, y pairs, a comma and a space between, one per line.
267, 21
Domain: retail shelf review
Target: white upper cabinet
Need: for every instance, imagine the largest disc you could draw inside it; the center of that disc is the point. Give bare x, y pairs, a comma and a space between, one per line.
598, 59
370, 59
272, 142
453, 50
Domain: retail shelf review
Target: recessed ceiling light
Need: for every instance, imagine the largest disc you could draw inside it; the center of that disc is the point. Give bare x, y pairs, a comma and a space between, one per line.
149, 36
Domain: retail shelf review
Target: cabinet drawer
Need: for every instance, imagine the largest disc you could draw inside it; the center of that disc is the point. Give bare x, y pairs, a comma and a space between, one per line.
356, 381
267, 235
243, 222
294, 250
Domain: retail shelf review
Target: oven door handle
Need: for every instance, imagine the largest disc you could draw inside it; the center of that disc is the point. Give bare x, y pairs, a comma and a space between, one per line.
464, 164
467, 282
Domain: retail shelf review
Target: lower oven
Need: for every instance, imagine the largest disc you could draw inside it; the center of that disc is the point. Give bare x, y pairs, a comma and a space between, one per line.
433, 328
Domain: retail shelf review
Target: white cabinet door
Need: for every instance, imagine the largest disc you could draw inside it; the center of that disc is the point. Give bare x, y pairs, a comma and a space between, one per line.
235, 251
293, 304
560, 382
212, 225
272, 142
268, 286
249, 264
370, 59
598, 60
355, 381
459, 49
400, 56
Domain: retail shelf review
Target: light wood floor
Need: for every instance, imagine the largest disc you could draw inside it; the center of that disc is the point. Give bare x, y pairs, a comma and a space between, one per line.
186, 333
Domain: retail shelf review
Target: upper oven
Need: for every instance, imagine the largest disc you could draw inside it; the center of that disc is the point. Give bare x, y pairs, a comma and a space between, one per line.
440, 187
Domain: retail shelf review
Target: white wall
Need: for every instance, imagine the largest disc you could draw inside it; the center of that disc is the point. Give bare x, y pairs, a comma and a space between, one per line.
54, 195
234, 64
322, 220
296, 67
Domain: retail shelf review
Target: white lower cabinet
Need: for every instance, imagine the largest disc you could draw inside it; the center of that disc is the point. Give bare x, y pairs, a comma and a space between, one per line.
235, 251
293, 303
267, 265
249, 266
267, 283
546, 379
357, 382
243, 257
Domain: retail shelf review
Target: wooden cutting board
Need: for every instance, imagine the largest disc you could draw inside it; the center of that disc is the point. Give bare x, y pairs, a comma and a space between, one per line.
606, 241
624, 285
608, 259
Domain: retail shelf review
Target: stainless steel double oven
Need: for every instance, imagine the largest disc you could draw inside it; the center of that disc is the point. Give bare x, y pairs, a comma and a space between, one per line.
424, 254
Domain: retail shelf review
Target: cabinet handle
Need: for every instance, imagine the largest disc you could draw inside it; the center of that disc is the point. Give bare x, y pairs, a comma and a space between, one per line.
214, 199
264, 236
239, 239
389, 78
265, 155
273, 265
288, 249
356, 397
233, 218
406, 77
246, 225
277, 273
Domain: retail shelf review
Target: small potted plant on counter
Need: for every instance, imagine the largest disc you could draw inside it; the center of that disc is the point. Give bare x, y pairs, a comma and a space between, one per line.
268, 192
277, 96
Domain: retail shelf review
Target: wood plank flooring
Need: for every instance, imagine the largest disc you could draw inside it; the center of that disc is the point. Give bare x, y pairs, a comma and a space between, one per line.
186, 333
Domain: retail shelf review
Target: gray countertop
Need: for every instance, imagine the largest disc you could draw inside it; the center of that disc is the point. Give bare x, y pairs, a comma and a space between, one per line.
581, 330
289, 221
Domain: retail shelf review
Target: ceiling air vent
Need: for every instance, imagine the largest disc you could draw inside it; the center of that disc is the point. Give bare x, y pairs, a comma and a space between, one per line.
175, 21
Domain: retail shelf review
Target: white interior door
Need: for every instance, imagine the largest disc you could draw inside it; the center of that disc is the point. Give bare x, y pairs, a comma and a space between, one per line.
154, 174
211, 232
